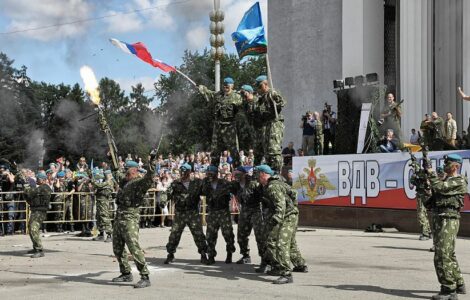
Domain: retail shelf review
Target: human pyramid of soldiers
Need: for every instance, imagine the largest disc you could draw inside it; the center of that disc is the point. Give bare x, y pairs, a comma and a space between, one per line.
268, 203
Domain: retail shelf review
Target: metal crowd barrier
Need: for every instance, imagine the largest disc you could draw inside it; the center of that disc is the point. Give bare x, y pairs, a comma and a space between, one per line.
77, 207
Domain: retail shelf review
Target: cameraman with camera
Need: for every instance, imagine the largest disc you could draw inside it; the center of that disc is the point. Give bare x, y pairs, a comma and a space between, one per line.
308, 133
329, 129
7, 184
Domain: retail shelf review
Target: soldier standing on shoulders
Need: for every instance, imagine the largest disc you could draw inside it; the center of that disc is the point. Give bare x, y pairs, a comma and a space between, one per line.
250, 102
446, 203
218, 195
126, 224
185, 194
281, 245
39, 200
225, 106
270, 104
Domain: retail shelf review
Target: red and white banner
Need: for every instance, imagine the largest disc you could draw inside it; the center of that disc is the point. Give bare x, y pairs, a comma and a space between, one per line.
379, 180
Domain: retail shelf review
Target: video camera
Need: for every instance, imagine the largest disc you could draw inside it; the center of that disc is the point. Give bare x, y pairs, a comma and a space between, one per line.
305, 117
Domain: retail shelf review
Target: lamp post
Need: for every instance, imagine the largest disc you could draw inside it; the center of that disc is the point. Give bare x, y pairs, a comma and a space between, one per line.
217, 39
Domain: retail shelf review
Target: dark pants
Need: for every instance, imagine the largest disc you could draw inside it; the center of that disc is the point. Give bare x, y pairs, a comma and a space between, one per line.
328, 137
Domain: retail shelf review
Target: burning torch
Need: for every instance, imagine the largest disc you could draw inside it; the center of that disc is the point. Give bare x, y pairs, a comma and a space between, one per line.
91, 87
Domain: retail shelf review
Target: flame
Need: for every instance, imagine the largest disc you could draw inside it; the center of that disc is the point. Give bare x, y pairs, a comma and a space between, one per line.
91, 84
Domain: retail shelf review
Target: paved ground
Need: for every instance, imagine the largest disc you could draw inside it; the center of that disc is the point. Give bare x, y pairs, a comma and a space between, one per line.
343, 265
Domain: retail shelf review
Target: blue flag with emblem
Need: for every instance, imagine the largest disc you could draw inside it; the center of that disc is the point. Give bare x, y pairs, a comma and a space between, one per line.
249, 38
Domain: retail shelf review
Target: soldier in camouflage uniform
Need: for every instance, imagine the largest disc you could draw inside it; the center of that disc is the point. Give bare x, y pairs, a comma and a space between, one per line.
86, 204
60, 188
225, 106
103, 190
39, 200
256, 124
185, 194
446, 203
281, 245
126, 224
269, 106
218, 195
423, 193
250, 213
318, 144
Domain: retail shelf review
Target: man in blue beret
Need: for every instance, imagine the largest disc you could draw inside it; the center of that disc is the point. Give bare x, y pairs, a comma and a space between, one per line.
185, 194
225, 106
38, 199
282, 217
268, 111
218, 194
59, 187
129, 199
103, 188
447, 200
250, 218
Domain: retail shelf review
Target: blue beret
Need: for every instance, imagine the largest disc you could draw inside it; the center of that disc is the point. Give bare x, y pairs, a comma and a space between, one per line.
108, 172
241, 169
48, 171
212, 169
41, 176
261, 78
247, 88
185, 167
52, 164
454, 158
143, 171
131, 164
265, 169
228, 80
61, 174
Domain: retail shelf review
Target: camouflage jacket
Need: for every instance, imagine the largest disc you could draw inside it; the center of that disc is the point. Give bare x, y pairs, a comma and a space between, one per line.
265, 109
39, 197
251, 112
185, 199
318, 128
448, 194
420, 181
103, 189
281, 199
248, 195
218, 198
225, 107
132, 193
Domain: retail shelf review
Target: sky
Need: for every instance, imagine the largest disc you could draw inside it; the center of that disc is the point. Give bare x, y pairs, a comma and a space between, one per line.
54, 54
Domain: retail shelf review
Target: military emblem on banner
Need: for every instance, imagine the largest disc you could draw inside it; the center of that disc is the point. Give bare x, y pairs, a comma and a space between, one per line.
312, 182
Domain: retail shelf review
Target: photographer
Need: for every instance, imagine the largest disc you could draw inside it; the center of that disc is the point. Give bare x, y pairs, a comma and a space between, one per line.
308, 133
389, 143
7, 184
329, 130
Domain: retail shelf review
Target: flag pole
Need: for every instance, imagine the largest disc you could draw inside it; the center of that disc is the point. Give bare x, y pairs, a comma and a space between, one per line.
186, 76
270, 78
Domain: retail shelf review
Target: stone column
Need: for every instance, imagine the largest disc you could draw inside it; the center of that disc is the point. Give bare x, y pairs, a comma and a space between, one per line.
466, 63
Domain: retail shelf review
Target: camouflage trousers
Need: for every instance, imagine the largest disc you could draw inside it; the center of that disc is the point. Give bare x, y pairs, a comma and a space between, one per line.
281, 246
272, 144
58, 207
215, 220
318, 144
68, 209
422, 215
193, 221
35, 222
86, 207
103, 220
147, 209
258, 149
126, 232
224, 137
445, 262
250, 218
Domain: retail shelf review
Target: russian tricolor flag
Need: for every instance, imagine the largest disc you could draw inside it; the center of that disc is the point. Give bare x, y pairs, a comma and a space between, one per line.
139, 50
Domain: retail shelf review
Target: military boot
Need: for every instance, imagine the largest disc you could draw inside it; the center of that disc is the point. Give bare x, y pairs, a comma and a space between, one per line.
211, 260
424, 237
72, 228
246, 259
461, 289
32, 251
274, 272
284, 279
228, 260
142, 224
204, 259
432, 249
38, 254
59, 228
124, 278
445, 294
169, 259
143, 282
109, 238
300, 269
99, 237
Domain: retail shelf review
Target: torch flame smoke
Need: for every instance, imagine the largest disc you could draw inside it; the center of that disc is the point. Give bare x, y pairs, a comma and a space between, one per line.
91, 85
